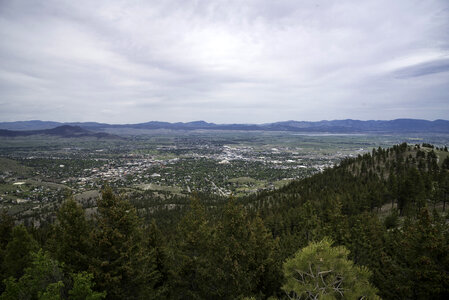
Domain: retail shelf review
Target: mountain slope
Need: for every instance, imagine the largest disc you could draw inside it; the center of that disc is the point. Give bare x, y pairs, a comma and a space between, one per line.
65, 131
334, 126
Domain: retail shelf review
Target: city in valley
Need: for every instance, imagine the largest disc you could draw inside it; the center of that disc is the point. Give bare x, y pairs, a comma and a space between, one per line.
162, 169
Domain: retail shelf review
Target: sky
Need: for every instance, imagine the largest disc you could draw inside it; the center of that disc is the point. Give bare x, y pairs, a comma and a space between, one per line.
223, 61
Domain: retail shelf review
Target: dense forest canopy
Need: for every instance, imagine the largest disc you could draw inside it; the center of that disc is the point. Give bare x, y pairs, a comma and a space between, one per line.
373, 226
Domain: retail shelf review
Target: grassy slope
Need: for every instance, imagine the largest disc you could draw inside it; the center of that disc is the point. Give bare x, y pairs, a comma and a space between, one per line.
9, 165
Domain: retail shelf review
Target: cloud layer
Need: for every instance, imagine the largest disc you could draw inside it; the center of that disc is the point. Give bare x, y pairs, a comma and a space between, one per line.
223, 61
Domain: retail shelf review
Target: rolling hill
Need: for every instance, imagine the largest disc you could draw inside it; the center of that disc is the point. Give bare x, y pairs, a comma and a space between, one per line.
334, 126
66, 131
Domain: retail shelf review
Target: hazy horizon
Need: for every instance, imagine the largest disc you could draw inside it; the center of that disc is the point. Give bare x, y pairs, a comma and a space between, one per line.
223, 61
225, 123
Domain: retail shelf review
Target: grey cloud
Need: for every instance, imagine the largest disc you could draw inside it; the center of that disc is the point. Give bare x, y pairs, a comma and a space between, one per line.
427, 68
223, 61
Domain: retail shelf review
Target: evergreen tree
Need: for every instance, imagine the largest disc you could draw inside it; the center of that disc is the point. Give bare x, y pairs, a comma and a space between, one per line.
424, 251
18, 252
336, 224
45, 280
192, 253
82, 288
309, 225
120, 263
157, 248
445, 164
267, 263
411, 192
71, 242
322, 271
444, 188
6, 227
366, 243
244, 258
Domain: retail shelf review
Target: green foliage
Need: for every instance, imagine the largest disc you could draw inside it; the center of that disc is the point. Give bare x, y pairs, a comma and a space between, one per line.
411, 191
322, 271
232, 258
82, 288
121, 263
52, 292
445, 164
244, 256
191, 264
71, 243
44, 280
18, 252
366, 240
6, 226
420, 252
158, 249
392, 220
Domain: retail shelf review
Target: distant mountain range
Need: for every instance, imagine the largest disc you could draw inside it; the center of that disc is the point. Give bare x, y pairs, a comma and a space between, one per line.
66, 131
335, 126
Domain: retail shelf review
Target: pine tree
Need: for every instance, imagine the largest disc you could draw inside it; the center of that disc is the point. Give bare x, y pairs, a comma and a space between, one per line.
322, 271
44, 279
244, 260
424, 249
6, 227
18, 252
336, 223
120, 263
157, 248
267, 263
445, 164
83, 288
233, 258
71, 242
310, 224
444, 187
192, 253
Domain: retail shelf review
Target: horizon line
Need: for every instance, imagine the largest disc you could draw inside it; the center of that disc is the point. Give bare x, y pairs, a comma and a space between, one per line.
197, 121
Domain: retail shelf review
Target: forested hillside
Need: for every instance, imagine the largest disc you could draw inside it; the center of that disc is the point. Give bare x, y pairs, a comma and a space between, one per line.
376, 225
387, 208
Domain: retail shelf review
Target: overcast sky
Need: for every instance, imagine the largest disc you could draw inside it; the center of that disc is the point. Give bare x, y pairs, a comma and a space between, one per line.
223, 61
